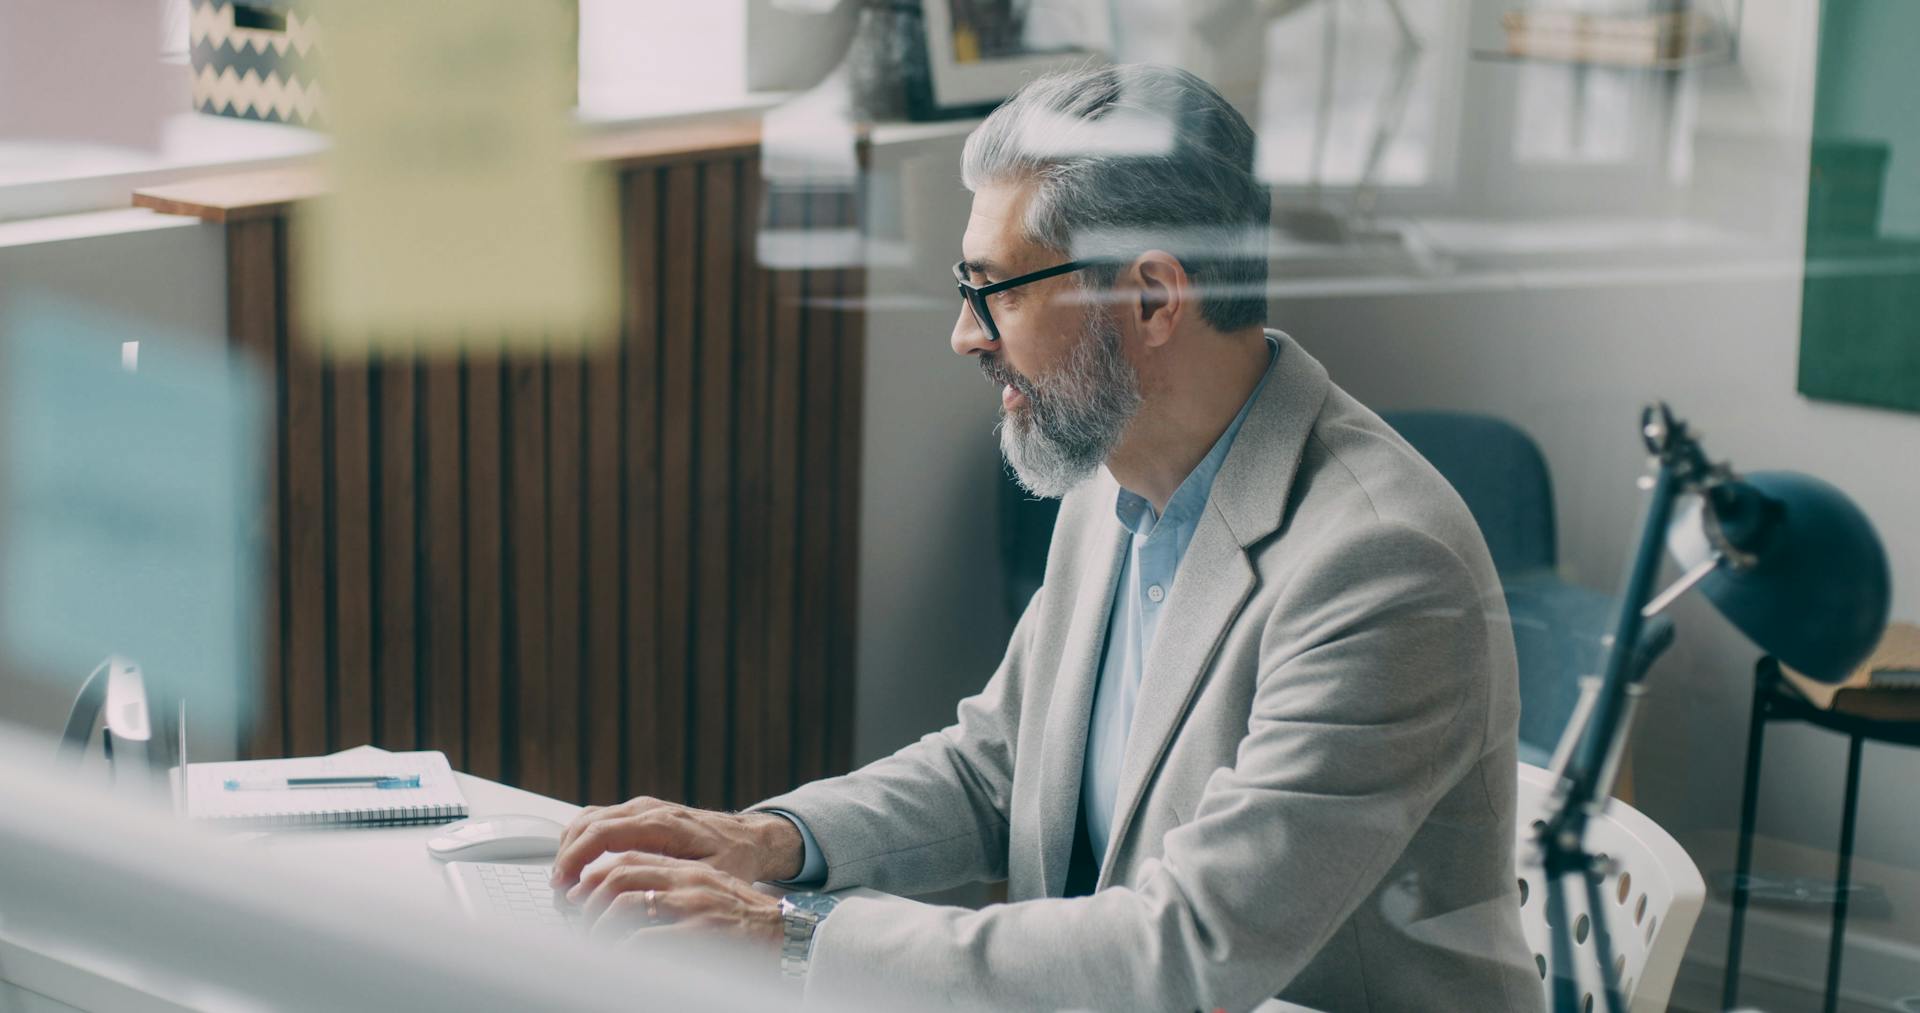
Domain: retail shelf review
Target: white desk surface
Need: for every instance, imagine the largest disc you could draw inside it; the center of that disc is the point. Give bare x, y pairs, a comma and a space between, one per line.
403, 850
57, 981
63, 984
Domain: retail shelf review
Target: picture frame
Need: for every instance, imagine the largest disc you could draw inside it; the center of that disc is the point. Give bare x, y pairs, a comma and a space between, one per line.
972, 56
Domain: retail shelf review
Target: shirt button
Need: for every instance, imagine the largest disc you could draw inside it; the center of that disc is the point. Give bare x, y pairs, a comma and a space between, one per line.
1155, 593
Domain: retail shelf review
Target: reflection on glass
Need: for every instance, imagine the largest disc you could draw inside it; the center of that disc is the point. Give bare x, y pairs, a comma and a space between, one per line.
997, 29
1341, 73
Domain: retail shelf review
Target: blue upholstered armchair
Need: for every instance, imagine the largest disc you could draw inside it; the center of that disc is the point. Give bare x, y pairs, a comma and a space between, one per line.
1559, 629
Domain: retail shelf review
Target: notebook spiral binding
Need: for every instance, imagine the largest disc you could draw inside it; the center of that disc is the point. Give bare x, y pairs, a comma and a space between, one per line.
384, 816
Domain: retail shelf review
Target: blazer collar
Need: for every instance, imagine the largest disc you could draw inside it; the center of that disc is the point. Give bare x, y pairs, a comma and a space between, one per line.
1254, 484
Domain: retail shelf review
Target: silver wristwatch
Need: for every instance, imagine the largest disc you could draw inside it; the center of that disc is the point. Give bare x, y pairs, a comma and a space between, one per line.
800, 914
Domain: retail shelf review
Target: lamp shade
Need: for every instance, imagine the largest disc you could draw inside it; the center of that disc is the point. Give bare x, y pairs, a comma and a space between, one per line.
1809, 584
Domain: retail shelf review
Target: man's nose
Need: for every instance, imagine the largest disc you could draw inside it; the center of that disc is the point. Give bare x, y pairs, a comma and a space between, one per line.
969, 338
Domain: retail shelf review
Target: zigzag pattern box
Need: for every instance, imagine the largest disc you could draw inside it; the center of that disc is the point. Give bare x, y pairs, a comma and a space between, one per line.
252, 60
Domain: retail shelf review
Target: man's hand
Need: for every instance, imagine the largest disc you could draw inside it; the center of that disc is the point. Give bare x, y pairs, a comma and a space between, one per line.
637, 891
746, 846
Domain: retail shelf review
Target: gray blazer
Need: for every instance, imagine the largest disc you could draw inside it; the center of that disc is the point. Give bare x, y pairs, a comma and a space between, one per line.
1317, 799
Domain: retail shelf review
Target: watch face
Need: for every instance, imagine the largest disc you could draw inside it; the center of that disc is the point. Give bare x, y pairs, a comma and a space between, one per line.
813, 903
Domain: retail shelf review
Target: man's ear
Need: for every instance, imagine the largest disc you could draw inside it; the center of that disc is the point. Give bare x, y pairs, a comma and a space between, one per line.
1164, 294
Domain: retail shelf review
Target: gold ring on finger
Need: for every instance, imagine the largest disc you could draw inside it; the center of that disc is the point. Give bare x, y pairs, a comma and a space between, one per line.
653, 911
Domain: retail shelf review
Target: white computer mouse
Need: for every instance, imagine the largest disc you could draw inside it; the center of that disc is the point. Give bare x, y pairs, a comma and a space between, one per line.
496, 839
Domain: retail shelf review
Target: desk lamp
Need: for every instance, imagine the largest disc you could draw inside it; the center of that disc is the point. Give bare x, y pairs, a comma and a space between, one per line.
1787, 558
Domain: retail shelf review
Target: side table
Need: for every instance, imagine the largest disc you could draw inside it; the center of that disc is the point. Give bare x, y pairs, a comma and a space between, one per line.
1894, 718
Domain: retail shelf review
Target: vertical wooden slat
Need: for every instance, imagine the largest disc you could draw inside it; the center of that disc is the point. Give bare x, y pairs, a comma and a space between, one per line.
564, 501
445, 577
527, 570
783, 531
713, 515
641, 482
842, 626
816, 509
601, 607
677, 420
751, 490
353, 521
485, 647
306, 526
397, 678
254, 271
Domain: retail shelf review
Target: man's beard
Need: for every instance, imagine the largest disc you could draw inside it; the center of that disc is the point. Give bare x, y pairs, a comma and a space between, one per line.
1073, 416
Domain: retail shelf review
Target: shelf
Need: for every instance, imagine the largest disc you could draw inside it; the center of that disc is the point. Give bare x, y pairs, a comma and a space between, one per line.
1710, 29
1696, 61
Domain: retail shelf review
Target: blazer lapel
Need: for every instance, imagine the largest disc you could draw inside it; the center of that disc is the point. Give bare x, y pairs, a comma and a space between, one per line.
1248, 503
1063, 754
1213, 584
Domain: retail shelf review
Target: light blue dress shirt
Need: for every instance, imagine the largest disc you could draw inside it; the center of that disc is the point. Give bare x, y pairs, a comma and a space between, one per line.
1146, 579
1147, 571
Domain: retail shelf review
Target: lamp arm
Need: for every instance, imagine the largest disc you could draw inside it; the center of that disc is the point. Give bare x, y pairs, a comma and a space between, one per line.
1593, 758
1586, 765
1589, 756
1683, 585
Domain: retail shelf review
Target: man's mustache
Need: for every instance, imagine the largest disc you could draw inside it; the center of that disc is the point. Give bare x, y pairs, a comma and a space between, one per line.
1002, 374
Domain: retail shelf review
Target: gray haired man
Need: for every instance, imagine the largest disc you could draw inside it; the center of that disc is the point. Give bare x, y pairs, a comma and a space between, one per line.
1254, 736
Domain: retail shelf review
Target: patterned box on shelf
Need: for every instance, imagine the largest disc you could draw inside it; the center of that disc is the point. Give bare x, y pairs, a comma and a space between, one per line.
253, 59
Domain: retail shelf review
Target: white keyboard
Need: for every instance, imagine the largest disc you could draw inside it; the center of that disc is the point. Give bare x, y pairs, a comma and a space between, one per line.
503, 891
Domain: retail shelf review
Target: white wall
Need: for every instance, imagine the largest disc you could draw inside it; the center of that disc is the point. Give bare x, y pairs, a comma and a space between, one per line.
932, 626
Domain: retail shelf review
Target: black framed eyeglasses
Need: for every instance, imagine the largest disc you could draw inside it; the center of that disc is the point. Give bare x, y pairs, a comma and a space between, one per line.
975, 296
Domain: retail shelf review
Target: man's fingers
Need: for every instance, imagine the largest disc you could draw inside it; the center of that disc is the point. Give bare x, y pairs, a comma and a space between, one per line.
579, 823
611, 884
628, 882
594, 815
647, 831
590, 817
673, 899
628, 911
590, 879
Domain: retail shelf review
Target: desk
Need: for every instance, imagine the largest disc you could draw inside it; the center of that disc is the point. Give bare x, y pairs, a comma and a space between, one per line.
41, 979
48, 979
404, 849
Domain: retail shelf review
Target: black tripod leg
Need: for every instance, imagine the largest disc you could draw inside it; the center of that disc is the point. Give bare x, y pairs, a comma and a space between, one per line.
1837, 938
1743, 862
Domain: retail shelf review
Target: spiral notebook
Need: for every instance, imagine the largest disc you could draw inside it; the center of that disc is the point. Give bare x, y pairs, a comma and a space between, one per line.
437, 800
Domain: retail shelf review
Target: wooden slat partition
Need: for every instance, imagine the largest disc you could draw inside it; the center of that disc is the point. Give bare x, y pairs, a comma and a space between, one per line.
594, 577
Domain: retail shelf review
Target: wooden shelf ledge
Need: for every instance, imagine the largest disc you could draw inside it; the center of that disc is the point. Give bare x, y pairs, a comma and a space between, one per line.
268, 193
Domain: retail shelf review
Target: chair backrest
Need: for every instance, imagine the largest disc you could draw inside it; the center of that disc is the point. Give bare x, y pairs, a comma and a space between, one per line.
1651, 898
1500, 473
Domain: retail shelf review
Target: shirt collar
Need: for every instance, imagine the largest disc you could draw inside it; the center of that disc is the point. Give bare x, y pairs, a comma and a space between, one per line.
1136, 512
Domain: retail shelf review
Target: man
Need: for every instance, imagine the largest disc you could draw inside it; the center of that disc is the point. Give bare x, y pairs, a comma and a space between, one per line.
1255, 733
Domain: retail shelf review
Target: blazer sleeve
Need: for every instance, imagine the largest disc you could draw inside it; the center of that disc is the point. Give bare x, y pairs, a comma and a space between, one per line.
1370, 703
934, 814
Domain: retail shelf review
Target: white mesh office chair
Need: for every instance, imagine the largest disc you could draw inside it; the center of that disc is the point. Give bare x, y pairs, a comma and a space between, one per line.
1651, 899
